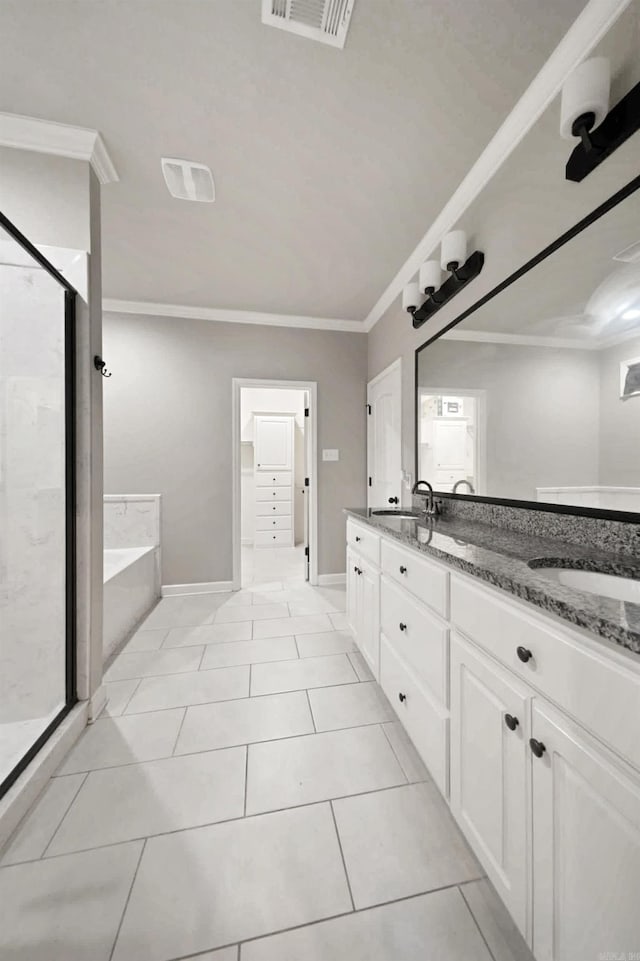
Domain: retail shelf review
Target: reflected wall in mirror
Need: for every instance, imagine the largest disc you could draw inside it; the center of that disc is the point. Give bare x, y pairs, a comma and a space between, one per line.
535, 394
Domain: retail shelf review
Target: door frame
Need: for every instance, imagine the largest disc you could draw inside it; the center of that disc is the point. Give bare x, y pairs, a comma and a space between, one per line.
480, 396
311, 449
395, 365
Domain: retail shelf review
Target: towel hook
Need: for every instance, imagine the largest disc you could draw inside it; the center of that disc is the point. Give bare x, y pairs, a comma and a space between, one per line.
101, 366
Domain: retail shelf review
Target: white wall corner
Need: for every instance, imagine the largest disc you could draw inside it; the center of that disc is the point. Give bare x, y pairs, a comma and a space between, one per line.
97, 704
61, 139
331, 580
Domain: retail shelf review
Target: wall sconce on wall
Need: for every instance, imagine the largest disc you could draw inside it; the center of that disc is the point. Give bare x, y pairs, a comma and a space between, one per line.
585, 113
461, 269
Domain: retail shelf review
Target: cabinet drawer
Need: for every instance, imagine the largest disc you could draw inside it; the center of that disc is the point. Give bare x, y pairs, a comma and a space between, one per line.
422, 640
428, 581
273, 493
273, 478
364, 540
426, 723
273, 539
276, 523
600, 690
265, 509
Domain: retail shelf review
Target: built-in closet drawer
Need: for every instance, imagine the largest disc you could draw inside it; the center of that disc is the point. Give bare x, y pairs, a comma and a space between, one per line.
426, 722
265, 509
429, 582
273, 494
420, 638
273, 478
600, 690
281, 522
364, 540
272, 539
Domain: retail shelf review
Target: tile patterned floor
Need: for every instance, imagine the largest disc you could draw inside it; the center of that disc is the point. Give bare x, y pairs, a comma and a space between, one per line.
246, 796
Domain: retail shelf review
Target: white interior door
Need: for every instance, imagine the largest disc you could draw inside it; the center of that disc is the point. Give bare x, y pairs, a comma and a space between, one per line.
384, 443
307, 482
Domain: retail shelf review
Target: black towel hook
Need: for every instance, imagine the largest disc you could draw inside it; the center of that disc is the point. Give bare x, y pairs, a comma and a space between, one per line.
101, 366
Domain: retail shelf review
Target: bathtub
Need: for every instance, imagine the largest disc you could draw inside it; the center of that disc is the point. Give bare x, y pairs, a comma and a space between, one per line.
131, 588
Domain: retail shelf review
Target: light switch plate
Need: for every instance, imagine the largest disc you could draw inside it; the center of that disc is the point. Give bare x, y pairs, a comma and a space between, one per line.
331, 454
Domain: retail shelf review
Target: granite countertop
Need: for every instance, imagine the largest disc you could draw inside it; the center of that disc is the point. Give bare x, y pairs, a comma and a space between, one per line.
501, 557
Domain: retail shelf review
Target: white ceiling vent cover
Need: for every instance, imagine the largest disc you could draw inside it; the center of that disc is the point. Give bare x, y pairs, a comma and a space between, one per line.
323, 20
187, 180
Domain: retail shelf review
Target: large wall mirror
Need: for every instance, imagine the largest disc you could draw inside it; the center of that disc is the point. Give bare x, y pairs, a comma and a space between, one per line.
534, 394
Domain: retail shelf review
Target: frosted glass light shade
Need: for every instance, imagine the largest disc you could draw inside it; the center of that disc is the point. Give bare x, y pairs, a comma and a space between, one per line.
453, 249
411, 298
586, 90
430, 275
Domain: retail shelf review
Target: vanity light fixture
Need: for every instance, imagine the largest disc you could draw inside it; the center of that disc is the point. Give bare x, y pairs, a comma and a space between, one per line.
461, 269
585, 113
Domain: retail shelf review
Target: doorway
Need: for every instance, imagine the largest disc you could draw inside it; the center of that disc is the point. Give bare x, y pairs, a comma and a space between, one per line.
274, 482
451, 439
384, 437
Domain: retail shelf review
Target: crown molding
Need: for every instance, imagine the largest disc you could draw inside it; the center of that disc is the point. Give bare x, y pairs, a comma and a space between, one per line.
587, 30
61, 139
221, 315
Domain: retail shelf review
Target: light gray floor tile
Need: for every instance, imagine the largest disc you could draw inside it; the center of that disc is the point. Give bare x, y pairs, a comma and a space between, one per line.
113, 741
138, 800
208, 634
435, 927
279, 626
222, 954
118, 696
317, 767
361, 667
257, 612
330, 642
185, 610
221, 884
298, 675
401, 842
241, 597
38, 827
249, 652
501, 934
339, 621
65, 909
299, 607
147, 640
245, 721
182, 690
410, 761
349, 705
336, 595
152, 663
266, 587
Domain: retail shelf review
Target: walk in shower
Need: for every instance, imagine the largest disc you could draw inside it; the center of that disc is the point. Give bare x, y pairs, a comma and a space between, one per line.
37, 502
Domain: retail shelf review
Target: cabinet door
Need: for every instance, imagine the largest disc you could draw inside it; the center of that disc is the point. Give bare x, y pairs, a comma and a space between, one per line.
352, 591
586, 846
369, 617
489, 762
274, 443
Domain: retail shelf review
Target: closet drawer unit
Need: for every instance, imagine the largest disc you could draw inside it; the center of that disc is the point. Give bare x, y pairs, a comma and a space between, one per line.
426, 722
265, 509
273, 539
420, 638
273, 493
276, 523
364, 540
601, 691
273, 478
429, 582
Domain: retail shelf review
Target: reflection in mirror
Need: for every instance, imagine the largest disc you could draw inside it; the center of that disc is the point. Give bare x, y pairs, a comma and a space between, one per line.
536, 395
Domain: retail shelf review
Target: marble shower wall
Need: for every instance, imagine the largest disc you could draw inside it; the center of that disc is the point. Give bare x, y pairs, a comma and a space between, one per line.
131, 520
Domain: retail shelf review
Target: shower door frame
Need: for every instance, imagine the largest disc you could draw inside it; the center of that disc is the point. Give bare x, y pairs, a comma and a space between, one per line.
71, 697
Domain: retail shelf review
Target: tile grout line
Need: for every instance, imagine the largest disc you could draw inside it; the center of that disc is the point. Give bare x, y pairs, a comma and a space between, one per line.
126, 903
131, 698
395, 753
342, 858
476, 922
64, 816
313, 720
65, 812
246, 779
175, 743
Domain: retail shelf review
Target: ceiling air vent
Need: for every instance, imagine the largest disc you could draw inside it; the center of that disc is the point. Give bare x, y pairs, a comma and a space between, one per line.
323, 20
630, 254
187, 180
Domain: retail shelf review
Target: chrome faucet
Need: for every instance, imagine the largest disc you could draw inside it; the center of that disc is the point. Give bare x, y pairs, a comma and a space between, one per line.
431, 508
463, 481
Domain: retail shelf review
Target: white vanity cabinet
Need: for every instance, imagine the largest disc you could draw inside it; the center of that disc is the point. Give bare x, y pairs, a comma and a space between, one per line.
363, 593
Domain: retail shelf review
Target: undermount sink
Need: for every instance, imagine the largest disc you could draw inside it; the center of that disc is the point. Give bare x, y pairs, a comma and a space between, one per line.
595, 582
407, 514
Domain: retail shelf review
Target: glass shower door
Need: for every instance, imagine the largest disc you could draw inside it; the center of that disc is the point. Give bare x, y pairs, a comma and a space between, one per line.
37, 656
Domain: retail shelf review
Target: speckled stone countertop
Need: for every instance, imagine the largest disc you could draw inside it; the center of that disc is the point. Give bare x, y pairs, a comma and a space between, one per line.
511, 560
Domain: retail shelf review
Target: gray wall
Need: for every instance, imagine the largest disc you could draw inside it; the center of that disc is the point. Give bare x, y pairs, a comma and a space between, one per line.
541, 407
619, 420
526, 205
167, 414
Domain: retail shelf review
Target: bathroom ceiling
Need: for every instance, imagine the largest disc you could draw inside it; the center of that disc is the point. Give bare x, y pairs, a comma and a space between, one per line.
329, 164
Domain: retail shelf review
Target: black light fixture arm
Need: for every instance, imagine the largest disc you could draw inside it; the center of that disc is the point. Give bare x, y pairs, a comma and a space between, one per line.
459, 278
621, 122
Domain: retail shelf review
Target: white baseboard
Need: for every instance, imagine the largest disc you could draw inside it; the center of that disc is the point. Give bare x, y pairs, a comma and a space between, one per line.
97, 704
329, 580
208, 587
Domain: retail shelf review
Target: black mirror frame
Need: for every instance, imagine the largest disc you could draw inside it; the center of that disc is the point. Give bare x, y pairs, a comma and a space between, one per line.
628, 517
